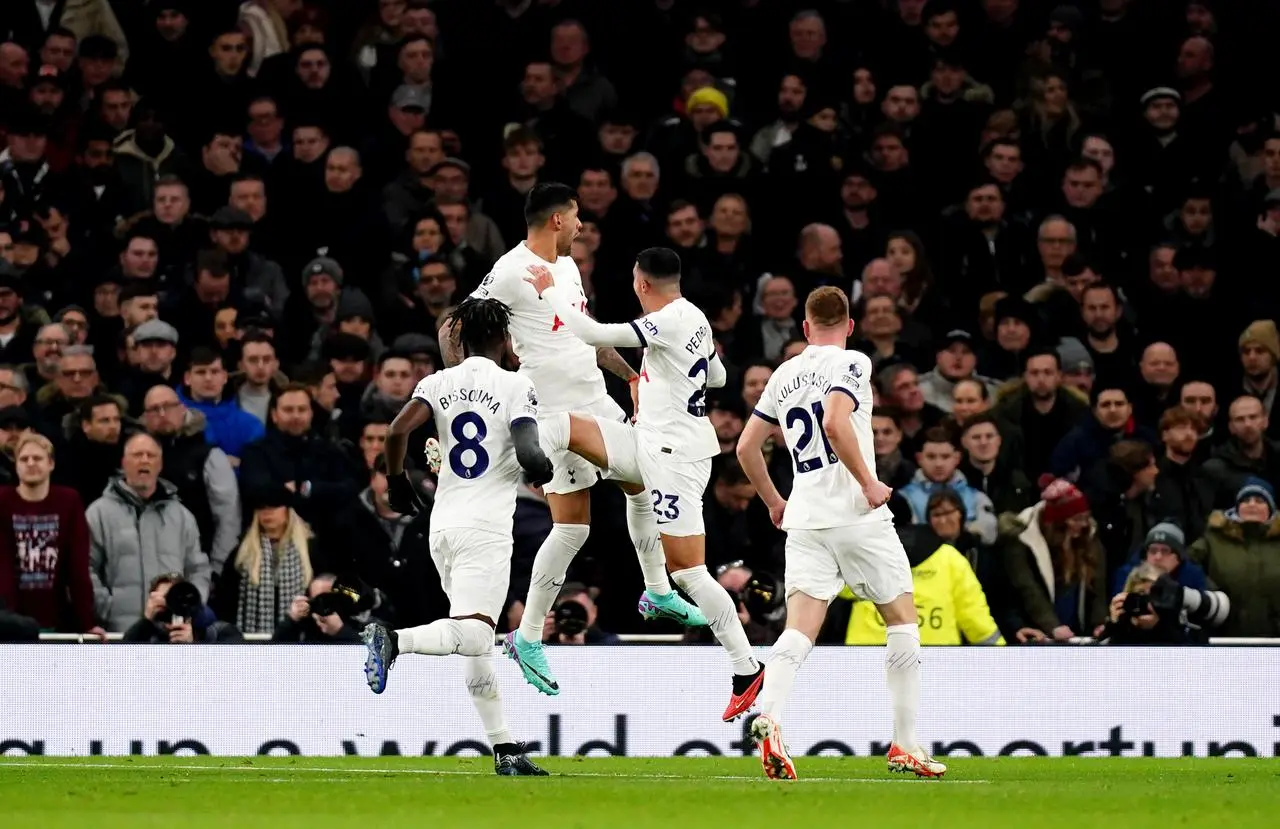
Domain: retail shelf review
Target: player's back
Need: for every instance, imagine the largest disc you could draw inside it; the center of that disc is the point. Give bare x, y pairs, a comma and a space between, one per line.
474, 404
562, 367
824, 493
673, 380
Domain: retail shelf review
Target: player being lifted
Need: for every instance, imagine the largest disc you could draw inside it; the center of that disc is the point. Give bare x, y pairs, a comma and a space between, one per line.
839, 530
565, 371
486, 418
671, 447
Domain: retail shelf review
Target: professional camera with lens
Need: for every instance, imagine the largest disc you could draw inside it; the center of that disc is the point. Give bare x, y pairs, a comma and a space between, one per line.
181, 604
342, 600
1163, 598
763, 598
571, 618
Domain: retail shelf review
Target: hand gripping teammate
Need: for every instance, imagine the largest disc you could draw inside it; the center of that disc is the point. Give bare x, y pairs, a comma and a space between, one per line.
566, 374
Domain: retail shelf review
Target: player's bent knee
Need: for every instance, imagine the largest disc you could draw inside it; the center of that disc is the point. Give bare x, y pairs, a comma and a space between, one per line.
476, 638
684, 552
631, 489
570, 507
586, 440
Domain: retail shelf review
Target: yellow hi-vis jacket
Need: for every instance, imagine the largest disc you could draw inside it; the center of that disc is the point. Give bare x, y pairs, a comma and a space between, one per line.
948, 598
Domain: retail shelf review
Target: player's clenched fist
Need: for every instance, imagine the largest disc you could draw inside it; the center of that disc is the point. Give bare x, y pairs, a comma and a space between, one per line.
403, 496
540, 278
541, 476
877, 494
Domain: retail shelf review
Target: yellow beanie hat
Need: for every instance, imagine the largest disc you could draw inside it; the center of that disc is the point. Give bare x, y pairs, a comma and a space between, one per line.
708, 95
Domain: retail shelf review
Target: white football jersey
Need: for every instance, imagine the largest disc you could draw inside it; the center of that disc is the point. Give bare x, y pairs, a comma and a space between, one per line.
824, 494
562, 367
679, 360
474, 404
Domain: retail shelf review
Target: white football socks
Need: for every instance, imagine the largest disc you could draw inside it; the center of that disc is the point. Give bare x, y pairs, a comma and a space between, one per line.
722, 616
549, 567
482, 685
643, 529
785, 659
902, 675
469, 637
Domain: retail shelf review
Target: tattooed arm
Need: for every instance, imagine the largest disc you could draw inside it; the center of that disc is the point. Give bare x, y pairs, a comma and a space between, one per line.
450, 344
609, 359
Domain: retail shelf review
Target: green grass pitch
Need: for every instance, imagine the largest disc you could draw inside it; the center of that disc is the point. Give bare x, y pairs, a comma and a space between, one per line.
393, 792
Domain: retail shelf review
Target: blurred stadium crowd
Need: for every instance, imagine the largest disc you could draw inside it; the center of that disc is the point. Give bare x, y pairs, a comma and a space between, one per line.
229, 229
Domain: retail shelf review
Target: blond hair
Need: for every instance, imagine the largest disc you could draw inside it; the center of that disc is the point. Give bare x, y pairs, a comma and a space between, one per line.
827, 307
249, 555
29, 436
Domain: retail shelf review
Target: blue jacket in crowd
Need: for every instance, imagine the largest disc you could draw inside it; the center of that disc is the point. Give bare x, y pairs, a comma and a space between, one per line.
227, 426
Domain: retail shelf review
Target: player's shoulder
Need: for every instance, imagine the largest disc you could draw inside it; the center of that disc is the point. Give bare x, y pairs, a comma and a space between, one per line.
850, 368
426, 387
510, 266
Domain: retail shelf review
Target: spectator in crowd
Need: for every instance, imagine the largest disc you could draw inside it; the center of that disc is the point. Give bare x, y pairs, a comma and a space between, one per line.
1259, 353
988, 470
955, 361
1239, 555
969, 397
953, 605
1110, 420
259, 377
1165, 548
900, 387
153, 352
274, 563
294, 465
95, 439
200, 472
227, 427
939, 468
1056, 565
77, 380
892, 466
303, 625
44, 545
1123, 498
1248, 453
1184, 492
139, 527
160, 624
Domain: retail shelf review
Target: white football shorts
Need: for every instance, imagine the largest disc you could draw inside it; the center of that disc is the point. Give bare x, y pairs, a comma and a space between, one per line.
573, 472
868, 557
475, 569
675, 486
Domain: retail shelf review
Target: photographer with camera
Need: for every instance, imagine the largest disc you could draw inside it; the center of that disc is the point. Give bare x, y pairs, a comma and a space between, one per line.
1153, 609
322, 617
758, 598
572, 620
175, 614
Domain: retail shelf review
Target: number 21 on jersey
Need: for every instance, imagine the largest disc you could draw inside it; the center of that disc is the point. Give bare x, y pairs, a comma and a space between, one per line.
810, 422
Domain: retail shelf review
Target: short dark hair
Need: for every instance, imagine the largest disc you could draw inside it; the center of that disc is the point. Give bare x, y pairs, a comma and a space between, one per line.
288, 388
59, 31
731, 473
311, 373
521, 137
391, 354
1082, 164
136, 288
240, 177
681, 204
939, 434
1131, 456
547, 199
659, 263
94, 401
1040, 351
1101, 285
891, 412
214, 262
980, 419
1001, 141
202, 355
254, 335
716, 128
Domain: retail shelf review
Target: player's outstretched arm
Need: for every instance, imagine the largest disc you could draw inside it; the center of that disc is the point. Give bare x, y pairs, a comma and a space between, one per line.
717, 375
535, 463
751, 456
838, 426
583, 326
